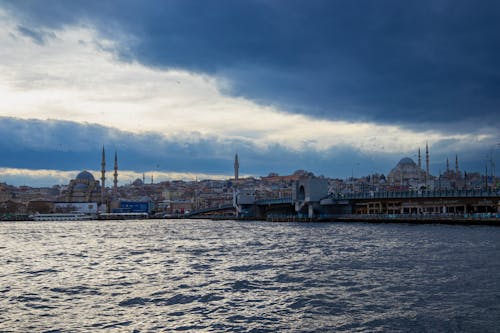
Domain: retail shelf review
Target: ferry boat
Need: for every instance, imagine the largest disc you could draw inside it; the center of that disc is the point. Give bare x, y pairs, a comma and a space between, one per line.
61, 217
123, 216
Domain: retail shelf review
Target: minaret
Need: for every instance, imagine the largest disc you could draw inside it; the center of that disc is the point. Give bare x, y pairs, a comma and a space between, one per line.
103, 174
115, 176
236, 167
419, 159
486, 176
447, 165
456, 165
426, 163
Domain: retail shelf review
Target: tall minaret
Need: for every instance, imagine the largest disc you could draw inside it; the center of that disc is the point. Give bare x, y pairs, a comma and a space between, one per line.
236, 167
419, 159
447, 165
426, 163
456, 165
115, 176
103, 174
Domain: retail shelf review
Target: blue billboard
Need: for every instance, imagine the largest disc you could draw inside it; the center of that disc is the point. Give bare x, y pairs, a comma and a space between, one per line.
135, 207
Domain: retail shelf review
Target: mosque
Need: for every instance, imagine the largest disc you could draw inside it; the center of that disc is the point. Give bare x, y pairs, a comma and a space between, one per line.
410, 175
84, 188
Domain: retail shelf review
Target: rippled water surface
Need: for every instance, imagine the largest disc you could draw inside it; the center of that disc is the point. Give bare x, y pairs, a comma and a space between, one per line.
226, 276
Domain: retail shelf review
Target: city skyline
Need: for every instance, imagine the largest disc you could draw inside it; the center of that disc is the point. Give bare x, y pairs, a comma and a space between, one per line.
178, 87
47, 178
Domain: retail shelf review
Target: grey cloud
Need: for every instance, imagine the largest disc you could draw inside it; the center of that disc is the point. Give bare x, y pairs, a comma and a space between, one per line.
39, 37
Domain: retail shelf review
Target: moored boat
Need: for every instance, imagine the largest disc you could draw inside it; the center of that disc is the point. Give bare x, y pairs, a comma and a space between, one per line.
61, 217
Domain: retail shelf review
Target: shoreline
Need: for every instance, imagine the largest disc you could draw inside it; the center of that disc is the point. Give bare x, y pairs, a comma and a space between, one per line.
490, 221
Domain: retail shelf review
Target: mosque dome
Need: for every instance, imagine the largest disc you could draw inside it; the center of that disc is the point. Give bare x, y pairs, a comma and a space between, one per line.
406, 171
407, 161
85, 176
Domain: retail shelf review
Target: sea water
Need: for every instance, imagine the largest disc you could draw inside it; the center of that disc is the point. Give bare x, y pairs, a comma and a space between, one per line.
228, 276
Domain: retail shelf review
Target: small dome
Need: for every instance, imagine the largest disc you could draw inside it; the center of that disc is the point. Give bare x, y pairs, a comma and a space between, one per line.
85, 175
406, 161
137, 182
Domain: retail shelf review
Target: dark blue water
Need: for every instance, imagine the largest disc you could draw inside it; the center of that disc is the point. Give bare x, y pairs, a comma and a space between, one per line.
224, 276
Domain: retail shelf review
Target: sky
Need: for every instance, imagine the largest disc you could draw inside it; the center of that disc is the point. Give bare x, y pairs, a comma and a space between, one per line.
177, 88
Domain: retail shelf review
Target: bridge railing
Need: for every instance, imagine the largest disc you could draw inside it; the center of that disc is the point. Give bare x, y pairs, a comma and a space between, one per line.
417, 194
274, 201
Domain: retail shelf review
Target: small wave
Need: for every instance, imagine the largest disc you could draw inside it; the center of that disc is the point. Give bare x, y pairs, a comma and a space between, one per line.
39, 306
136, 252
177, 313
114, 325
248, 268
29, 298
5, 290
210, 298
200, 267
134, 301
286, 278
177, 299
33, 301
42, 271
191, 328
75, 290
243, 286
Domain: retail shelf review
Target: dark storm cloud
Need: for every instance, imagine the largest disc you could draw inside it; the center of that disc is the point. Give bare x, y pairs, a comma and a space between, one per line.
432, 63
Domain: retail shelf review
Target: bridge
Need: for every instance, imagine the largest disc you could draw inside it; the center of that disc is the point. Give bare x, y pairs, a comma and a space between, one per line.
413, 202
207, 211
256, 209
310, 200
416, 194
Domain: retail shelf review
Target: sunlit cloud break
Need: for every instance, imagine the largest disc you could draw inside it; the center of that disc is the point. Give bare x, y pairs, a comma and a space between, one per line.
74, 74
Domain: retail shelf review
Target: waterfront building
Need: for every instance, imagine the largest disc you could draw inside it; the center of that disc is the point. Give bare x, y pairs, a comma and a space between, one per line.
5, 192
75, 207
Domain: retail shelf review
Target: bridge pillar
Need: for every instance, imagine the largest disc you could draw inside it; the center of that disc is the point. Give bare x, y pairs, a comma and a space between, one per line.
310, 211
244, 203
307, 193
